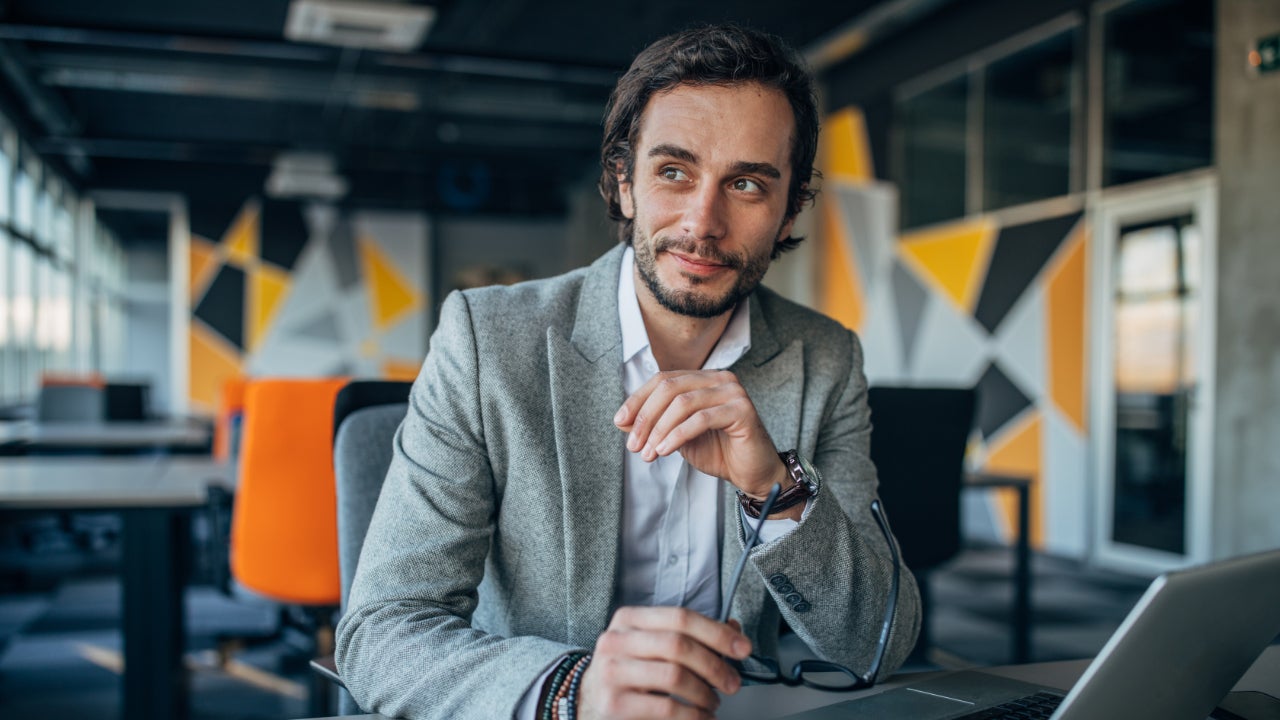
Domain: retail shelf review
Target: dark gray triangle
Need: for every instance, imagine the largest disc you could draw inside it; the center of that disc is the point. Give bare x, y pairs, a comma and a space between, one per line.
342, 250
856, 215
910, 298
324, 327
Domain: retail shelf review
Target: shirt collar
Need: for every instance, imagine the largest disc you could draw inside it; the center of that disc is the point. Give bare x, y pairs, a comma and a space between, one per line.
733, 343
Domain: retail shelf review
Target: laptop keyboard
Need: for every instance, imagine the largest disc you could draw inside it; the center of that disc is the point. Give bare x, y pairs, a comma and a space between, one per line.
1032, 707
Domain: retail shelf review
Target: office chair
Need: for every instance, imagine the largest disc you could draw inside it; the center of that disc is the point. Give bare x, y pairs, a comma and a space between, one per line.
366, 415
284, 534
71, 402
918, 442
125, 401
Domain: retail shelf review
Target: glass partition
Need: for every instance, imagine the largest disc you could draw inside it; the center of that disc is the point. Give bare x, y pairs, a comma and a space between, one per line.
932, 166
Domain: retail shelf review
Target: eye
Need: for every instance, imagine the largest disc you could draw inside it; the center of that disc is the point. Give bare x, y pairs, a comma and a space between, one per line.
673, 173
747, 185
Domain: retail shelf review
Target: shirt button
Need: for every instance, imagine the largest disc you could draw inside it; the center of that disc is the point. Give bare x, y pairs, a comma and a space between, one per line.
672, 559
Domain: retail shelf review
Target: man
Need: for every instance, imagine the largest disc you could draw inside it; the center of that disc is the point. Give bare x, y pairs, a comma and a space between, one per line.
580, 453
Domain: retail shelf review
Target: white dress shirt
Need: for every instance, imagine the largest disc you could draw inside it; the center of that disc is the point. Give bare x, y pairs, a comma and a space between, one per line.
671, 513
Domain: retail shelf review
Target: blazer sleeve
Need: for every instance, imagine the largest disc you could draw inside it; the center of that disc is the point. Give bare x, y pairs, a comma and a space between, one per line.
830, 576
406, 646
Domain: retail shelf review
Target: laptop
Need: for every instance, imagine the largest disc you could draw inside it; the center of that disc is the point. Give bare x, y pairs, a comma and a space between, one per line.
1191, 636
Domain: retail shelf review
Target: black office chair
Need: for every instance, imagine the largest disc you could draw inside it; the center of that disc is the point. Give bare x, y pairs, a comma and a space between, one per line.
127, 401
918, 442
365, 418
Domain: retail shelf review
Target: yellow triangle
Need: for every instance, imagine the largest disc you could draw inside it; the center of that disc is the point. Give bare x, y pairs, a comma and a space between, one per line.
267, 286
398, 369
390, 295
204, 263
846, 152
1017, 451
241, 239
212, 362
840, 297
952, 258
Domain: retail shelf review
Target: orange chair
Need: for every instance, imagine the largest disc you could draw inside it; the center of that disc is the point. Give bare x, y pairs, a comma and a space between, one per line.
284, 527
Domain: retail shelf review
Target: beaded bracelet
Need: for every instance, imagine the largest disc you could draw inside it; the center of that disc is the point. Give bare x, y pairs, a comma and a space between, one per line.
568, 707
548, 709
563, 690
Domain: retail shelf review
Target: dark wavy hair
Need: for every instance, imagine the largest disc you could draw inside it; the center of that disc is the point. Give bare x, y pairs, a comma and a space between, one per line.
712, 55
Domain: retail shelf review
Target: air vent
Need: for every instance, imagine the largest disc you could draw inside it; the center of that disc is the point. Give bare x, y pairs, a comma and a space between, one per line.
374, 25
305, 175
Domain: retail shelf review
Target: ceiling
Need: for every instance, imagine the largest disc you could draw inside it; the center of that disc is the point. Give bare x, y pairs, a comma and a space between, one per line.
497, 111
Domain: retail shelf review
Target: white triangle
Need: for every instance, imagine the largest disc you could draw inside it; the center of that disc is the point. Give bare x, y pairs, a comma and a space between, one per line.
952, 350
1020, 343
1065, 487
881, 346
296, 357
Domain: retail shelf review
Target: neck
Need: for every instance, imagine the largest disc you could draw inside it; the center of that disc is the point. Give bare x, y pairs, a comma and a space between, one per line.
678, 342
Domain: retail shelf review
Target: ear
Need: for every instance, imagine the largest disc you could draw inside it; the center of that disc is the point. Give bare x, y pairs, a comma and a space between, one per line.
785, 231
625, 200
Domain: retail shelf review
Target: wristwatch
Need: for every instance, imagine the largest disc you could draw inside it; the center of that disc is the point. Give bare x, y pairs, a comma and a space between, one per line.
806, 482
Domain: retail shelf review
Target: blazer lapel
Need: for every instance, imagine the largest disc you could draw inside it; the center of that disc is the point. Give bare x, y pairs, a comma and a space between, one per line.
586, 391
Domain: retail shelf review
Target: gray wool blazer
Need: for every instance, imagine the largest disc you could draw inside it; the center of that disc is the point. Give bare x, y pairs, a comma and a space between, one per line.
494, 546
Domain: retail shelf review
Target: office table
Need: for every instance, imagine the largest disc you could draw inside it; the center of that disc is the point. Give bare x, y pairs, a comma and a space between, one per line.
761, 702
154, 495
115, 436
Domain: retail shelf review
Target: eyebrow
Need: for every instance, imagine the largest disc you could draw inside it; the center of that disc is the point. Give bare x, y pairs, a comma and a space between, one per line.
742, 167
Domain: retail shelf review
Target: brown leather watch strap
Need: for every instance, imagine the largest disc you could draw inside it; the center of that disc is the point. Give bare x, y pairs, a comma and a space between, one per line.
789, 498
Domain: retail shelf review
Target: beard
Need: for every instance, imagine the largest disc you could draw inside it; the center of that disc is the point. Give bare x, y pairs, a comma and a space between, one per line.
750, 270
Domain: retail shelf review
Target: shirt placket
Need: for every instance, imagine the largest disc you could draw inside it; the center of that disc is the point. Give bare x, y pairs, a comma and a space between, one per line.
673, 538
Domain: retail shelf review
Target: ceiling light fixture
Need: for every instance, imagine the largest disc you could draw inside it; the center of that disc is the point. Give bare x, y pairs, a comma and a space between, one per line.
372, 25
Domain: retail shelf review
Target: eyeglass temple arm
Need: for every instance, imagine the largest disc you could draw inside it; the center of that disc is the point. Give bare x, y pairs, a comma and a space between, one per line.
892, 608
752, 538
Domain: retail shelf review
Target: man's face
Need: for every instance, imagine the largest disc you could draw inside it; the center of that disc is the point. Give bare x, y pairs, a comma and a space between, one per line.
708, 195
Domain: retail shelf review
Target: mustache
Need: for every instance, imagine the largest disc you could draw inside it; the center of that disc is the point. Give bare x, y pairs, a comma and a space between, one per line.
705, 250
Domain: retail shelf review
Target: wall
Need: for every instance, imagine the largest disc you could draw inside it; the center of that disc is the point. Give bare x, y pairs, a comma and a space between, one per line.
147, 321
1247, 148
280, 288
985, 302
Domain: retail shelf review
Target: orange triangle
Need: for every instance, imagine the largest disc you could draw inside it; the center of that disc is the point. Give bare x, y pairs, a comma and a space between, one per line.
846, 152
213, 362
952, 258
390, 295
1066, 308
241, 239
267, 286
1017, 451
204, 263
840, 295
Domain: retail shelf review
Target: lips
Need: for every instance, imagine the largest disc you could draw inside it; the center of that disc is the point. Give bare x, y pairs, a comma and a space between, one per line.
699, 265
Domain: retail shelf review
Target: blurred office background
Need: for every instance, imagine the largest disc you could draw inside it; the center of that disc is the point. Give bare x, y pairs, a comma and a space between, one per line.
1069, 206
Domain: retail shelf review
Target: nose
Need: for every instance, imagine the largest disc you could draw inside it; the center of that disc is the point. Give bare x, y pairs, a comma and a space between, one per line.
705, 215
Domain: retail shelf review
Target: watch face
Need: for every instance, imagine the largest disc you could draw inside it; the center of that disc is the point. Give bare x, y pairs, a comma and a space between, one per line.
811, 475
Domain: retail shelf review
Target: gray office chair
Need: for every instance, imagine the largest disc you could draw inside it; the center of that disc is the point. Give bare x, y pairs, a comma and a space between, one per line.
366, 416
71, 403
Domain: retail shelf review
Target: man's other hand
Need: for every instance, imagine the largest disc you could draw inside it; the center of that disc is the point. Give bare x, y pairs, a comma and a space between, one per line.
661, 662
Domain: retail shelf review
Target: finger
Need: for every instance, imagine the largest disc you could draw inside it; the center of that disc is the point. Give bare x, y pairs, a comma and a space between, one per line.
692, 426
659, 399
649, 401
695, 660
656, 676
717, 636
626, 415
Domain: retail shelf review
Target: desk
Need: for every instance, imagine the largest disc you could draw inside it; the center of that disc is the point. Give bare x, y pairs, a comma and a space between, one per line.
1021, 641
119, 436
154, 496
761, 702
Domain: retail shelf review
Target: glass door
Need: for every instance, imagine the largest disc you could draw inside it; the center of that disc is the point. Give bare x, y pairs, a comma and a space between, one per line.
1153, 362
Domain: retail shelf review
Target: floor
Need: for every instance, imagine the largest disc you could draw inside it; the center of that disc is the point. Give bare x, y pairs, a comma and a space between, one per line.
59, 643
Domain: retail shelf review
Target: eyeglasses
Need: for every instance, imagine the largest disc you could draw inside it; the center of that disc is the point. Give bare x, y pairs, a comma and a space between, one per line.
818, 674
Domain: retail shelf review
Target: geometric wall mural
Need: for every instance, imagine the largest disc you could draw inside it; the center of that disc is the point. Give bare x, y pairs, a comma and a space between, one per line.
287, 289
972, 303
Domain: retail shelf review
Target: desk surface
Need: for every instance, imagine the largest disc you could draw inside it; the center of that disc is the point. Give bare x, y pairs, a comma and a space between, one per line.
773, 701
101, 482
106, 435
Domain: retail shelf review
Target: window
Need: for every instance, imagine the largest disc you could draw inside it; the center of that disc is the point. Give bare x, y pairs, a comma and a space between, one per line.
933, 126
1027, 116
1158, 65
